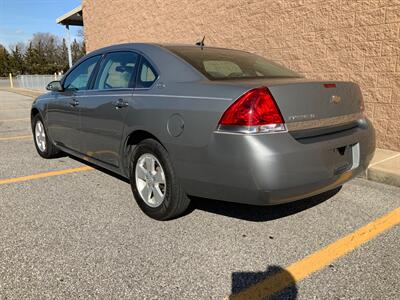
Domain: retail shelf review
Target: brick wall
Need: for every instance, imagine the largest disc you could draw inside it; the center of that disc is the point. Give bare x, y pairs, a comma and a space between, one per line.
355, 40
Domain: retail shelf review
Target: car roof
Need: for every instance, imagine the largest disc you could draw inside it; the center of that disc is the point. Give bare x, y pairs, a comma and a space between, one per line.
170, 67
124, 46
144, 46
173, 45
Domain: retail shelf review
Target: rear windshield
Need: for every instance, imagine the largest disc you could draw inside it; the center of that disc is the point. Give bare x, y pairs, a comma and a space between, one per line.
220, 64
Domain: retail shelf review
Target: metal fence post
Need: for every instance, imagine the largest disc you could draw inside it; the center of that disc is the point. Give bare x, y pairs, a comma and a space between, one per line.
69, 46
11, 80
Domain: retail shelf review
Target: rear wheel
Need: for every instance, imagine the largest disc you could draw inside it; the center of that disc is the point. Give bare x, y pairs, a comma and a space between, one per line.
154, 183
43, 144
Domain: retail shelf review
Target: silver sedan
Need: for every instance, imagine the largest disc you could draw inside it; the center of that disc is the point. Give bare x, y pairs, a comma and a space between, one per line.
180, 121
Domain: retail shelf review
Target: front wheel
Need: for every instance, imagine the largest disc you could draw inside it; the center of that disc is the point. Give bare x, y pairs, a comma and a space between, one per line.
154, 183
43, 144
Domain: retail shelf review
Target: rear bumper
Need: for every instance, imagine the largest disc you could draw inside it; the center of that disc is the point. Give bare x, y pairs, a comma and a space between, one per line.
270, 169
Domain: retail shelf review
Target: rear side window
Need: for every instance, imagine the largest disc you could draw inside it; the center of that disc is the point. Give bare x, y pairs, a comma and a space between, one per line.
117, 71
79, 77
219, 64
147, 74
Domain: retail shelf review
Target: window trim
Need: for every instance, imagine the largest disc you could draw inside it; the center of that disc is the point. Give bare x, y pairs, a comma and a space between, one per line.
102, 56
95, 71
155, 71
88, 85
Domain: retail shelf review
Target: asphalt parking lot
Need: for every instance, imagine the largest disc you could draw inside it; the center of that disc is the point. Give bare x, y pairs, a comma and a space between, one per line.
69, 232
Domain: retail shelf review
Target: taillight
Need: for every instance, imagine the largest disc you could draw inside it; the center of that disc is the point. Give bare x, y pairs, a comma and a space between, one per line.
254, 112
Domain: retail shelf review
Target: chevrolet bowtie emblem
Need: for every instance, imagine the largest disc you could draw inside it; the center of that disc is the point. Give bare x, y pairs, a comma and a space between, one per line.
336, 99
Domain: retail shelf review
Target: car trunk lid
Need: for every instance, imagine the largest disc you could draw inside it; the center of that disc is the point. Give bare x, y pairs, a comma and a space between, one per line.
317, 100
311, 108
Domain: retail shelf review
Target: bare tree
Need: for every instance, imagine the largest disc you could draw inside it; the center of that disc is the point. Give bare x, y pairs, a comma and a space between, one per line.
45, 53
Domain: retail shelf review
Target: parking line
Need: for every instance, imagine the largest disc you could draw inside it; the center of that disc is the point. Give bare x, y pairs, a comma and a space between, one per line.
18, 137
43, 175
318, 260
17, 108
13, 120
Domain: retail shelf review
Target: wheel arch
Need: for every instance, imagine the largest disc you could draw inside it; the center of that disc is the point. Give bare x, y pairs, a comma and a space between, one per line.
131, 140
34, 112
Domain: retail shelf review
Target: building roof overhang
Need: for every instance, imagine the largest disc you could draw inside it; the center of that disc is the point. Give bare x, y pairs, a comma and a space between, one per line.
73, 17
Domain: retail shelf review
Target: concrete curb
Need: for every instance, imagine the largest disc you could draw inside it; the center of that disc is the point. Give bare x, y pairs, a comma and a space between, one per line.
384, 167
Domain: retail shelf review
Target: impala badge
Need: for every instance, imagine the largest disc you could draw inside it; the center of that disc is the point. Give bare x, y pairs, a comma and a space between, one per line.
335, 99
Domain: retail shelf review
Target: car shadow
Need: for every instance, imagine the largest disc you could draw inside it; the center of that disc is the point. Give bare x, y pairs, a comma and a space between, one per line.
90, 164
236, 210
274, 283
258, 213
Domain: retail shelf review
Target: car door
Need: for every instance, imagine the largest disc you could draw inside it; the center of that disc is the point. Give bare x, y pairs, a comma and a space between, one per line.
104, 106
63, 120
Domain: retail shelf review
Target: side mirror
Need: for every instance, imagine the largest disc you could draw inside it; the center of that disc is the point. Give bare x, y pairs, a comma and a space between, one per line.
54, 86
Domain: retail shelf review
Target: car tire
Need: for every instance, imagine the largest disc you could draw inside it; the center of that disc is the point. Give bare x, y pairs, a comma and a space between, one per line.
154, 182
44, 145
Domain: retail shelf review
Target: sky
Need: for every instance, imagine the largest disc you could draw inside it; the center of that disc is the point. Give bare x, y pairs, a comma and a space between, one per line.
20, 19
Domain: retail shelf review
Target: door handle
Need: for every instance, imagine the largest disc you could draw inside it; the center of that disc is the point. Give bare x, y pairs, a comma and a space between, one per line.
74, 103
120, 103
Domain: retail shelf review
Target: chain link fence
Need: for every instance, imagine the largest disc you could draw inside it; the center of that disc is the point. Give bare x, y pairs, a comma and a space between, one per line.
32, 82
4, 82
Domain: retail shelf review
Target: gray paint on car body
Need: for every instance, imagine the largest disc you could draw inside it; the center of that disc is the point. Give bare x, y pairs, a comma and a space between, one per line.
258, 169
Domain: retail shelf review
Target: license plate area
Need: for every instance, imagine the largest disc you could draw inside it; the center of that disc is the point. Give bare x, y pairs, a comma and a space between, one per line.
346, 158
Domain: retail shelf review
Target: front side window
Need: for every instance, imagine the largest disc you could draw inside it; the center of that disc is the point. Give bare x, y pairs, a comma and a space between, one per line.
220, 64
147, 74
117, 71
79, 77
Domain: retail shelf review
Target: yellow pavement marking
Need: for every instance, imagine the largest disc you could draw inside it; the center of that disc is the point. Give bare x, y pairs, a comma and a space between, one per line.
12, 120
43, 175
12, 109
318, 260
19, 137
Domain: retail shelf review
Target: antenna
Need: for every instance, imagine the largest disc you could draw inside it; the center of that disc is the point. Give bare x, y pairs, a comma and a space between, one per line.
201, 43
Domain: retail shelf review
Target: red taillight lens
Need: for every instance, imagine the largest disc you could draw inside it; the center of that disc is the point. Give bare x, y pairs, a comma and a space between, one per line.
330, 85
254, 108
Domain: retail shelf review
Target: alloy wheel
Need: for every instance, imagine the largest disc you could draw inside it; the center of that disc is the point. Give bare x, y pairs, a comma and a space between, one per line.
150, 180
40, 136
